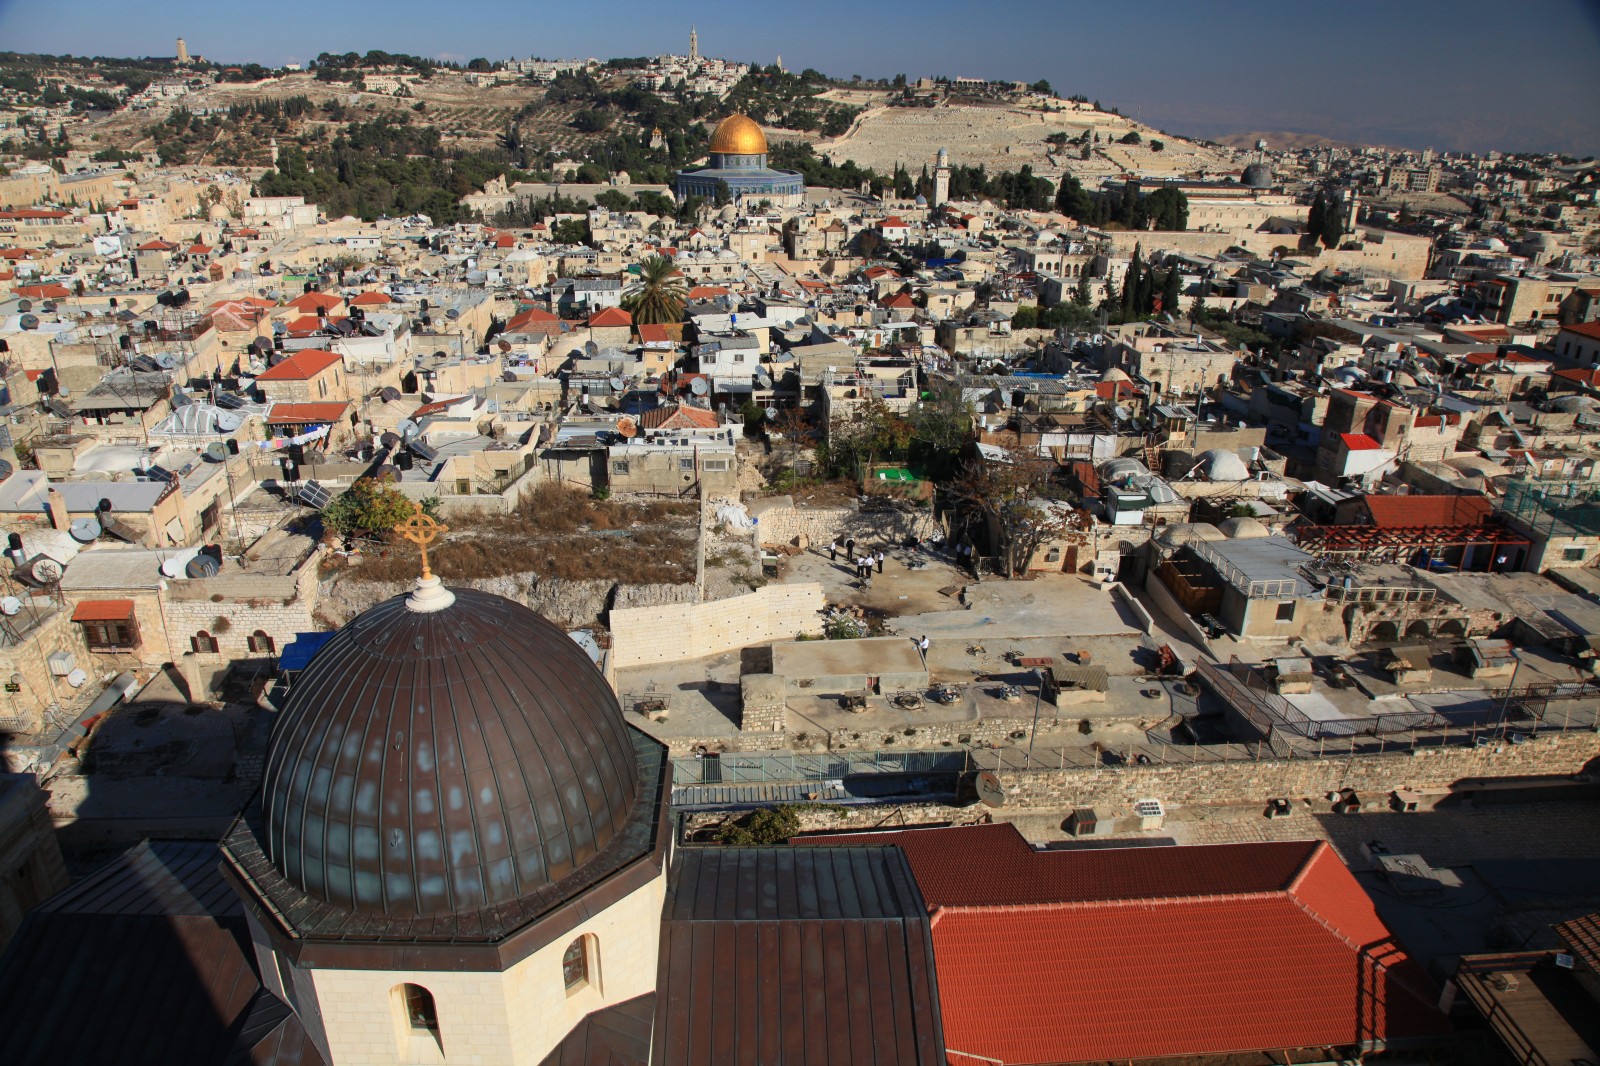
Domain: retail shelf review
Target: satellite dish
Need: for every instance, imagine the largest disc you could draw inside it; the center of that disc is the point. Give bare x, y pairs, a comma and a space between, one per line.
990, 792
771, 413
699, 386
24, 305
5, 469
46, 569
28, 322
617, 384
228, 421
408, 429
504, 346
591, 349
763, 379
203, 565
84, 530
627, 427
389, 440
217, 452
10, 605
77, 678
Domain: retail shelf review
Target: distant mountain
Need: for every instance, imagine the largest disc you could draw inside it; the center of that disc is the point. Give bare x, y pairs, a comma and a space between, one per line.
1284, 140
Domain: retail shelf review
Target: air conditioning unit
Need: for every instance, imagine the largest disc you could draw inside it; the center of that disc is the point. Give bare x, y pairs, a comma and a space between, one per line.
62, 663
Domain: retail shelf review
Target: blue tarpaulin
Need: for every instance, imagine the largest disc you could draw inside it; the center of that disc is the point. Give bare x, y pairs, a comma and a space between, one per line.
297, 654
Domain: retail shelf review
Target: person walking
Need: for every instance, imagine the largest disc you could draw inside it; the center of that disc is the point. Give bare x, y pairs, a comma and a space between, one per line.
833, 550
878, 558
922, 646
850, 547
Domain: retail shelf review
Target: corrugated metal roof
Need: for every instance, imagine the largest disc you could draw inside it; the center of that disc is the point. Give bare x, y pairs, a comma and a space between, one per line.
148, 961
802, 955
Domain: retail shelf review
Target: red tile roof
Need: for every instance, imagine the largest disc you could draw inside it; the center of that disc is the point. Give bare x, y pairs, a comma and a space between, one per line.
654, 332
103, 611
678, 416
900, 300
157, 246
33, 212
43, 292
301, 366
304, 414
436, 406
707, 292
309, 324
1584, 329
371, 299
1579, 374
312, 302
1409, 512
534, 320
1359, 442
1113, 390
1139, 953
611, 316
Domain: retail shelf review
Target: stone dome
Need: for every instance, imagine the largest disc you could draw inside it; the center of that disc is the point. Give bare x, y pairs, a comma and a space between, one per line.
1115, 374
445, 752
1219, 464
1243, 527
739, 135
1257, 176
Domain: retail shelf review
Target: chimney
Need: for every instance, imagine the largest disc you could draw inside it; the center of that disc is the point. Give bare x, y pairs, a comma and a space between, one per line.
59, 518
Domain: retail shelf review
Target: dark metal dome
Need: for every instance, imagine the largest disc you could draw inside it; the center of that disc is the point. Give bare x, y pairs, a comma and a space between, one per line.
440, 761
1258, 176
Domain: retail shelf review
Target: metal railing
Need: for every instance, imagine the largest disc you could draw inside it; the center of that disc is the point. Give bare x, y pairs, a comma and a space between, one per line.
738, 768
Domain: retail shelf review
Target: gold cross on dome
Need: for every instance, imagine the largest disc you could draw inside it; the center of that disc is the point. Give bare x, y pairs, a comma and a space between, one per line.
421, 530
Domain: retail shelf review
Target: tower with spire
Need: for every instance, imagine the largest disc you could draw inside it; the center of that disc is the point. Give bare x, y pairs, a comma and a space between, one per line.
941, 178
694, 46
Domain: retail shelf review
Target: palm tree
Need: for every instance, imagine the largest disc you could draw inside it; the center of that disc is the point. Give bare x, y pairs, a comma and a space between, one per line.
657, 297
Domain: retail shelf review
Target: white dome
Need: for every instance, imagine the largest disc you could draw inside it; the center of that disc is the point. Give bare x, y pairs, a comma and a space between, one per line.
1244, 528
1218, 464
1178, 534
1573, 404
1115, 375
1125, 466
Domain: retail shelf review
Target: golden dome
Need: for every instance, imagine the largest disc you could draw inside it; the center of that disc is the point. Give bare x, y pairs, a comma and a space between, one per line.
739, 135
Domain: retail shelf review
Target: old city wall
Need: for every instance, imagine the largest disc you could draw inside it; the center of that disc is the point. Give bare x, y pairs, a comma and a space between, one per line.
1115, 789
644, 635
781, 525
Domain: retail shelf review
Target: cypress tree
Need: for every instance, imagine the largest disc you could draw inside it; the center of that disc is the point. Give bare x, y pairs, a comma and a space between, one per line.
1169, 291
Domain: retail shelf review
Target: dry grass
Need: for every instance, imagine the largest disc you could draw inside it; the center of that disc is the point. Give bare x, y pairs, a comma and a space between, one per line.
556, 532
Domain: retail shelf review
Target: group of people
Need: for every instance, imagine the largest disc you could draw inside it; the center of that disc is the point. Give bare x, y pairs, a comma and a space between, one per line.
864, 563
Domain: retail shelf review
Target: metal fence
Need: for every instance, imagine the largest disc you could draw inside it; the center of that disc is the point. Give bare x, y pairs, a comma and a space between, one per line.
733, 769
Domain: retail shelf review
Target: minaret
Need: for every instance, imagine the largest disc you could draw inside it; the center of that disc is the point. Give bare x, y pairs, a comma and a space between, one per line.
694, 46
941, 178
183, 53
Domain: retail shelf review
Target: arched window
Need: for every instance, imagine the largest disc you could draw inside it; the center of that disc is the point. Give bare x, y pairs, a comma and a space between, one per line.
203, 643
421, 1014
262, 644
575, 964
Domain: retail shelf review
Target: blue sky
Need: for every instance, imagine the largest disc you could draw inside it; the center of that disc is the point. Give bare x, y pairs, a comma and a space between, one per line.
1523, 75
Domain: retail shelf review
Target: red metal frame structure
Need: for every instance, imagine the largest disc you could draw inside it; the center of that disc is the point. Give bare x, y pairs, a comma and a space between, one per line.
1405, 540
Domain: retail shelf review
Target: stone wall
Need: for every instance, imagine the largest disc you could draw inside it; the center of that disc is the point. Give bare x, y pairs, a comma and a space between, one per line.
644, 635
1373, 777
570, 604
781, 525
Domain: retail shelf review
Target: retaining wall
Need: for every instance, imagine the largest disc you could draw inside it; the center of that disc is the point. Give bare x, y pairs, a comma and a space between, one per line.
1115, 789
644, 635
781, 525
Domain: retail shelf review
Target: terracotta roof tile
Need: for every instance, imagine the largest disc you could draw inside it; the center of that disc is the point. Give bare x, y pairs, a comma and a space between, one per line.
305, 414
1138, 953
1584, 329
611, 316
103, 611
301, 366
1409, 512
